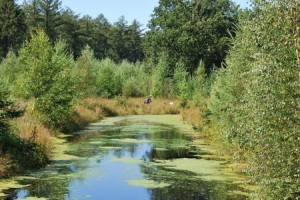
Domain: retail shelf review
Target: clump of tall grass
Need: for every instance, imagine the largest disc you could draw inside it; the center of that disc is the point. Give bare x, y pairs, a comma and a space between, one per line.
193, 116
30, 129
7, 166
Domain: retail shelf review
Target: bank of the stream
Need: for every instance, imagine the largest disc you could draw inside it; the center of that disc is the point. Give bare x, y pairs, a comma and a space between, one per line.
146, 156
92, 110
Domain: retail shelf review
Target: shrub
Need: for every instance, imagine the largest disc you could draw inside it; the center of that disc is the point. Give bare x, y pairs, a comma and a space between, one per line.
108, 81
48, 79
86, 72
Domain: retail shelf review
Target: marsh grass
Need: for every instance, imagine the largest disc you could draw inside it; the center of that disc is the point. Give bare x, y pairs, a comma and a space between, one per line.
7, 166
193, 116
92, 109
29, 128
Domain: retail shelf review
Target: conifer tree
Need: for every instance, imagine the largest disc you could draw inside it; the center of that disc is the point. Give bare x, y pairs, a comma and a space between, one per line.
12, 32
43, 14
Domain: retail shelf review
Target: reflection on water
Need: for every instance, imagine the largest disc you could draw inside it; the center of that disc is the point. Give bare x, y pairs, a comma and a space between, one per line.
130, 159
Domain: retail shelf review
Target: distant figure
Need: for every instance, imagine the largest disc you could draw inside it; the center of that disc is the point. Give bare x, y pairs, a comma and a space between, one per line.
148, 100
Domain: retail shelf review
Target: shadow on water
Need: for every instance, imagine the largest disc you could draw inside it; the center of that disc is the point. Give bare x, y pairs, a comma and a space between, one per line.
131, 160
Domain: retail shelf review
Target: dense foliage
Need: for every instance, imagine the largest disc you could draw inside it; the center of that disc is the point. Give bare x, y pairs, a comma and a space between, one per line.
189, 31
255, 100
45, 75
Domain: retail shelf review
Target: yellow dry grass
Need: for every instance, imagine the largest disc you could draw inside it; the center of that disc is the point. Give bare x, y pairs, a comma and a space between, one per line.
31, 129
6, 165
92, 109
192, 115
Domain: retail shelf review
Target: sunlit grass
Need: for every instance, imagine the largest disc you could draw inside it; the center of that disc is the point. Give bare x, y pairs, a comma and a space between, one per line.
92, 109
29, 128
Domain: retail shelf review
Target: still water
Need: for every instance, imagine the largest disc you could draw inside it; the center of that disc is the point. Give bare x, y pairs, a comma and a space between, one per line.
134, 158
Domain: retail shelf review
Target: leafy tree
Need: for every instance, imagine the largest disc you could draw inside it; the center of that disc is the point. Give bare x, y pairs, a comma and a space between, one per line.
133, 79
9, 70
108, 81
255, 98
35, 57
56, 105
13, 27
180, 86
86, 72
227, 102
26, 153
187, 32
160, 80
273, 97
201, 85
48, 79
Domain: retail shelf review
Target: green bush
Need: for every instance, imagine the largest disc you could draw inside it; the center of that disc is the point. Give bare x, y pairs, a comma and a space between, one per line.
160, 81
48, 79
254, 101
9, 70
109, 84
86, 72
134, 79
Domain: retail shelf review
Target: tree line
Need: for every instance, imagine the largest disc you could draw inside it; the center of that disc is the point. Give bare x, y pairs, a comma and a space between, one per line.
118, 41
183, 32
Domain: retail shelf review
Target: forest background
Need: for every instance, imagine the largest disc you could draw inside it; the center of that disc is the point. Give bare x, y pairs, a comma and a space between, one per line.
238, 68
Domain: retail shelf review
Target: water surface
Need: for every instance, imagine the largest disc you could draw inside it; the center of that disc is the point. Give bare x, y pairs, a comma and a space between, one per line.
134, 157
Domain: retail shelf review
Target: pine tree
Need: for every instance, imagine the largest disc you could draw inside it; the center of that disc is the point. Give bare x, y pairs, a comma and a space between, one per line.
12, 32
43, 14
134, 42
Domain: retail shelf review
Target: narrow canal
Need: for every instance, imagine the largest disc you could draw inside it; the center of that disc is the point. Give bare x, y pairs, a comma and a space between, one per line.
132, 158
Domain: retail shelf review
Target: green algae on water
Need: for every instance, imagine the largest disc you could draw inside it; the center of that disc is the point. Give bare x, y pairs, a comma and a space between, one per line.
128, 160
131, 140
110, 148
8, 184
33, 198
147, 183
